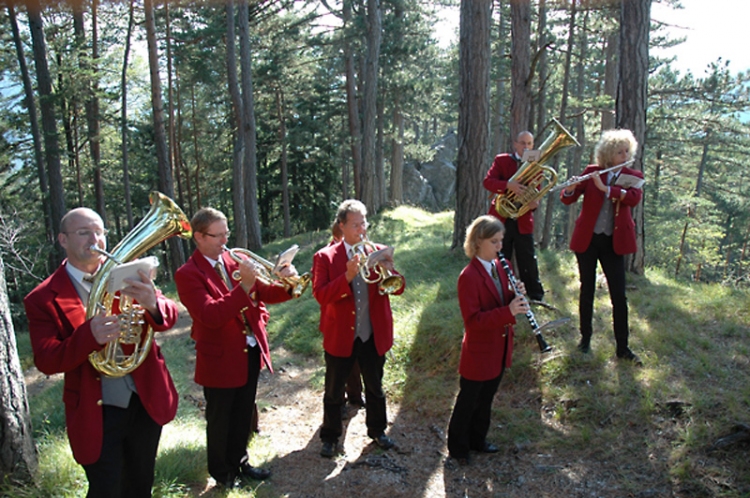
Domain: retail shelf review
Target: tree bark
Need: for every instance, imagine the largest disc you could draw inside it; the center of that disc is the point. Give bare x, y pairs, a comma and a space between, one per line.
632, 94
248, 108
18, 455
280, 109
473, 114
520, 105
89, 70
397, 155
238, 192
369, 112
34, 121
500, 139
49, 123
124, 119
355, 134
166, 181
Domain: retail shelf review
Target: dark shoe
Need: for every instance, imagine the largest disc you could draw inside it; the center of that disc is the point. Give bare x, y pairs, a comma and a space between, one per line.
247, 470
487, 448
328, 450
628, 355
384, 442
585, 345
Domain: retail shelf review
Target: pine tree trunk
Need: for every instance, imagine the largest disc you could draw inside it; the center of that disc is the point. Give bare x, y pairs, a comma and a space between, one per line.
34, 121
18, 455
355, 133
248, 108
632, 94
520, 105
166, 181
369, 109
49, 122
124, 119
473, 114
238, 192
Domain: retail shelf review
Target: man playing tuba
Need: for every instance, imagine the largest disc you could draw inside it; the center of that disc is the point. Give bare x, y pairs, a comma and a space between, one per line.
519, 233
107, 418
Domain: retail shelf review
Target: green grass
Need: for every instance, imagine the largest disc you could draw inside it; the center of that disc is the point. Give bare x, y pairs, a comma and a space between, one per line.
693, 338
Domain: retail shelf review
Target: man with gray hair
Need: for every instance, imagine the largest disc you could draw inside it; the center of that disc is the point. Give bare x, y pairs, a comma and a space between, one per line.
357, 326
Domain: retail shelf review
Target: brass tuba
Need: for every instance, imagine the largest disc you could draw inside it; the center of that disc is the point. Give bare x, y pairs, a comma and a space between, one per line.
264, 269
388, 282
164, 220
537, 178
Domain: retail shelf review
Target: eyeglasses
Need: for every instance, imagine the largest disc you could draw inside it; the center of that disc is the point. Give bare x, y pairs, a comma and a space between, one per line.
218, 235
86, 233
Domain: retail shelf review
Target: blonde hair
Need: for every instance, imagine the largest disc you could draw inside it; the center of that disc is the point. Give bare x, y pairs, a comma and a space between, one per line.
481, 229
610, 141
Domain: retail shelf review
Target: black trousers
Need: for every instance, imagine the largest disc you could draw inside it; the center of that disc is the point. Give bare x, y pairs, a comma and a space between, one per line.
613, 265
126, 465
523, 245
470, 420
229, 414
337, 372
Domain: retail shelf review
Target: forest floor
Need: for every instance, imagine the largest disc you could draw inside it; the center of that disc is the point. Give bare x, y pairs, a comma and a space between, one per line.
418, 466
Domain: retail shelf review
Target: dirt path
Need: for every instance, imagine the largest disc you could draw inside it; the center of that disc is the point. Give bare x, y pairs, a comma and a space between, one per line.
291, 413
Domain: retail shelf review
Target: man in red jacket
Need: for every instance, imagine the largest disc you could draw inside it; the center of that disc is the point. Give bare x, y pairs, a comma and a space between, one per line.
231, 345
113, 424
519, 234
357, 326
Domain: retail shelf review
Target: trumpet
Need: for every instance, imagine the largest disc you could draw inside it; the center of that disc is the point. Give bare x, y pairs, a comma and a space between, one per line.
579, 179
264, 268
388, 282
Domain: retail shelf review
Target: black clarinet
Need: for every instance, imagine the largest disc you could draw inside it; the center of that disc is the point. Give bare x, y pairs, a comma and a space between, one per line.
543, 346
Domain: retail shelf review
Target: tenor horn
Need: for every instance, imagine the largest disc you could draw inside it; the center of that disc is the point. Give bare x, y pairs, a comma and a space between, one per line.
164, 220
534, 175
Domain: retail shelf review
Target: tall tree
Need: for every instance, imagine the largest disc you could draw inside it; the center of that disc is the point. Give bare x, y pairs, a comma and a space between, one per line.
238, 192
18, 456
520, 106
473, 113
34, 121
49, 121
124, 118
88, 66
632, 97
249, 140
370, 189
166, 181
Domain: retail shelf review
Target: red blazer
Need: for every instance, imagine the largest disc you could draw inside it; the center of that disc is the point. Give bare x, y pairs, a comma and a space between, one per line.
623, 237
61, 340
218, 328
486, 322
337, 308
496, 181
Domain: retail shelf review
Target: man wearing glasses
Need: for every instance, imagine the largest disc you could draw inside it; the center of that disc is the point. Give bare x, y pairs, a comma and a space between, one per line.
229, 329
114, 424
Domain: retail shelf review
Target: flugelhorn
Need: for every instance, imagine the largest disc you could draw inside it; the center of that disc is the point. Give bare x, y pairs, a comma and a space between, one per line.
164, 220
579, 179
265, 269
388, 282
543, 346
537, 178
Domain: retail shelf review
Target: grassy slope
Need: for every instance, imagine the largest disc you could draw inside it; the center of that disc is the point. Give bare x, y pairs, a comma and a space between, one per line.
692, 338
